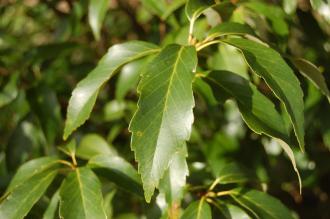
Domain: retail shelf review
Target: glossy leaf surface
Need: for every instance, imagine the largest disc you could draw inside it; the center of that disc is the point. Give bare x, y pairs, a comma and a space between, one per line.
164, 117
269, 65
257, 110
173, 182
80, 196
84, 95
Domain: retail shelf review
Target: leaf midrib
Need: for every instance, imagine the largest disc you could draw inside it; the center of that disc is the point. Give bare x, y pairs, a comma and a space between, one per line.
81, 191
174, 72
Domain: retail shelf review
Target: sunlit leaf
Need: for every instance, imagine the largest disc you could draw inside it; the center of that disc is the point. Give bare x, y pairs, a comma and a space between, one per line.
164, 117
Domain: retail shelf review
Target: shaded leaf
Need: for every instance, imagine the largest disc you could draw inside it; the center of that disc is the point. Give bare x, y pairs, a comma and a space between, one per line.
52, 208
10, 91
129, 77
197, 210
234, 173
291, 156
310, 71
92, 145
174, 5
258, 111
269, 65
31, 169
162, 123
118, 171
274, 14
230, 28
19, 201
194, 8
84, 95
44, 103
96, 13
260, 204
80, 196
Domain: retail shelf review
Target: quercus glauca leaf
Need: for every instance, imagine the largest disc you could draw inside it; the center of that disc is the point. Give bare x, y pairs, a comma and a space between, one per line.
197, 210
268, 64
194, 8
84, 95
52, 206
258, 111
174, 180
230, 28
97, 10
311, 72
81, 196
162, 123
118, 171
30, 169
20, 199
260, 204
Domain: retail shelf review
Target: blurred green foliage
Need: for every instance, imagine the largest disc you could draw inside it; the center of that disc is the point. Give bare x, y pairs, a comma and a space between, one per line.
48, 46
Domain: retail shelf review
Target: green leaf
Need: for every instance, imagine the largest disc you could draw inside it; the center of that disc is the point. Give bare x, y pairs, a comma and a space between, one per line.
45, 105
269, 65
274, 14
162, 123
194, 8
230, 211
129, 77
322, 7
108, 203
260, 204
174, 5
156, 6
197, 210
118, 171
96, 13
234, 173
230, 28
173, 182
258, 111
81, 196
92, 145
84, 95
10, 91
311, 72
31, 169
19, 201
291, 156
69, 148
290, 6
229, 58
316, 3
52, 207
